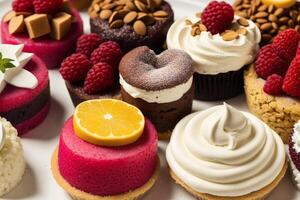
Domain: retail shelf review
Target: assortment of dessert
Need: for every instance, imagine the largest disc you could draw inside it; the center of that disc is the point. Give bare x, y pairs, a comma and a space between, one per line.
133, 80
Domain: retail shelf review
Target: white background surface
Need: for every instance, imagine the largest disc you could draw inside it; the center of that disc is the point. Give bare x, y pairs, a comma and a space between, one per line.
38, 183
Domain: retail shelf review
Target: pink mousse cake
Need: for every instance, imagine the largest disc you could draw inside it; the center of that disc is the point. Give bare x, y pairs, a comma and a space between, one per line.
51, 51
26, 108
107, 171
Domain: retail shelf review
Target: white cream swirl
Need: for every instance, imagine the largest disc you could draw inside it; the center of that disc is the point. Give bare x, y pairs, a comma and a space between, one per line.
241, 157
211, 54
2, 135
296, 137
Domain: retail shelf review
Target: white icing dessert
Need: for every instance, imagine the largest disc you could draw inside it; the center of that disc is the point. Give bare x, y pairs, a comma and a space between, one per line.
225, 152
12, 162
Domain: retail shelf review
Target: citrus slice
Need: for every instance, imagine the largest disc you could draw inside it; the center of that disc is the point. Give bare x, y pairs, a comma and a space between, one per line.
108, 122
280, 3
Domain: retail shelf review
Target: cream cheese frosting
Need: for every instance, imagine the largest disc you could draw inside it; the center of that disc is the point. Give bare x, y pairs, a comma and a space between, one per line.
159, 96
225, 152
16, 76
211, 54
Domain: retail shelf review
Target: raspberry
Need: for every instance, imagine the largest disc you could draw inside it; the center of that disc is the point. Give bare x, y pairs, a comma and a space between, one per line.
273, 85
87, 43
47, 7
108, 52
268, 62
75, 67
217, 16
295, 157
22, 6
291, 83
286, 43
99, 78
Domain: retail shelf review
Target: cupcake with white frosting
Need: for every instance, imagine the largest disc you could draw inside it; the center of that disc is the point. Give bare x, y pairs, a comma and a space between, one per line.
294, 155
219, 58
12, 162
223, 153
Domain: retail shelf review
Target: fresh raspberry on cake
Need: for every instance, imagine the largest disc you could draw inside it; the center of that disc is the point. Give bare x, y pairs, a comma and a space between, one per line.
295, 157
108, 52
47, 7
269, 62
87, 43
291, 83
273, 85
286, 43
99, 78
217, 16
75, 67
23, 6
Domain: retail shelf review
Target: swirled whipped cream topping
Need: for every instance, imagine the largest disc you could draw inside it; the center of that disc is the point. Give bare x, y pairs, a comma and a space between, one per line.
211, 54
11, 67
2, 135
224, 152
158, 96
296, 137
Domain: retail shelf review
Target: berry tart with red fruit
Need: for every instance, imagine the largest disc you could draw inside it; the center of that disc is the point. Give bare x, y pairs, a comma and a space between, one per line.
272, 84
221, 45
92, 72
294, 154
49, 29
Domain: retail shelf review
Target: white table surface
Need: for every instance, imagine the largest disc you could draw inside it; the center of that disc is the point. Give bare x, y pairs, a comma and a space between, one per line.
38, 183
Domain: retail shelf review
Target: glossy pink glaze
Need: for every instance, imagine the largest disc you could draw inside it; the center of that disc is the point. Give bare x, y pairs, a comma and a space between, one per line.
51, 51
31, 123
12, 97
107, 171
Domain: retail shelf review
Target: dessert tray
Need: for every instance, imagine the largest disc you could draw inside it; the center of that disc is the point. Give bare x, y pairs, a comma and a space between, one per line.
38, 182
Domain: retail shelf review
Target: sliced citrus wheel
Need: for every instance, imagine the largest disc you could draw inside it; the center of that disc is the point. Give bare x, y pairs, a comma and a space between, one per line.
108, 122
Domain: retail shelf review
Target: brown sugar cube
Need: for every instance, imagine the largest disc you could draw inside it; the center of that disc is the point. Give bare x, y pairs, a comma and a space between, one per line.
16, 24
37, 25
61, 24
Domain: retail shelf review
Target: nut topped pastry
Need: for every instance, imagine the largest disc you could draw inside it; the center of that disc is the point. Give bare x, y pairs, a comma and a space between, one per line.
132, 23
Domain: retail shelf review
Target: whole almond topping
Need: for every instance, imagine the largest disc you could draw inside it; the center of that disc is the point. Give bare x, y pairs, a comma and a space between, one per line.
202, 27
230, 35
266, 26
244, 22
140, 28
117, 23
242, 31
278, 11
105, 14
273, 18
130, 17
160, 13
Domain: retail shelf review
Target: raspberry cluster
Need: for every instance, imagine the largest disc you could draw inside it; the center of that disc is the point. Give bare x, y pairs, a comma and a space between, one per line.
37, 6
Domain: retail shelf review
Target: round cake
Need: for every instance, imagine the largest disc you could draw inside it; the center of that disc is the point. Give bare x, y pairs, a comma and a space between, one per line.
12, 162
64, 28
132, 23
24, 93
112, 169
234, 154
160, 85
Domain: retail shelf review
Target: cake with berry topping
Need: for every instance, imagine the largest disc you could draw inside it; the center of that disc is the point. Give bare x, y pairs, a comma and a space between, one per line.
12, 162
221, 45
113, 147
160, 85
294, 154
224, 154
24, 88
92, 72
271, 16
272, 85
132, 23
49, 29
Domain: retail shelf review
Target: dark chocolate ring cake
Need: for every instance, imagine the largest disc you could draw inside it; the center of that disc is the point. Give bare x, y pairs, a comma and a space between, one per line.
128, 39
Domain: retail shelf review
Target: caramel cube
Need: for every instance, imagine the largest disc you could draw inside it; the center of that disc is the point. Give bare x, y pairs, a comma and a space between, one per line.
37, 25
16, 24
61, 25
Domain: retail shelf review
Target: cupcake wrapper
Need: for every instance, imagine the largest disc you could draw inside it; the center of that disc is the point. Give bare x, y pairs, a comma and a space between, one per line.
219, 87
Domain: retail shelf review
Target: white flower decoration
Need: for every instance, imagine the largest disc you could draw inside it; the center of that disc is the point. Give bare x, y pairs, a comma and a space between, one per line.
16, 75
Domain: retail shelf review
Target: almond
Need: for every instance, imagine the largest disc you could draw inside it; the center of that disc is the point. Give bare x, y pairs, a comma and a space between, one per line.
160, 13
230, 35
278, 11
130, 17
261, 14
273, 18
266, 26
244, 22
116, 24
202, 27
105, 14
140, 28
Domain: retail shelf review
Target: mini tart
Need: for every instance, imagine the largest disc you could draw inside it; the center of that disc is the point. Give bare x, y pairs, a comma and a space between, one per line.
261, 194
126, 36
81, 195
279, 112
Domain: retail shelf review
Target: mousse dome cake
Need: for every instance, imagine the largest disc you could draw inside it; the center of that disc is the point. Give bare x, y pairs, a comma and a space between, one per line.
132, 23
107, 150
234, 155
24, 88
160, 85
12, 162
221, 46
49, 30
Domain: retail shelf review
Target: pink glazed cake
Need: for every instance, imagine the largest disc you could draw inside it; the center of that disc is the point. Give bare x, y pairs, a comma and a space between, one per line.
25, 103
52, 51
